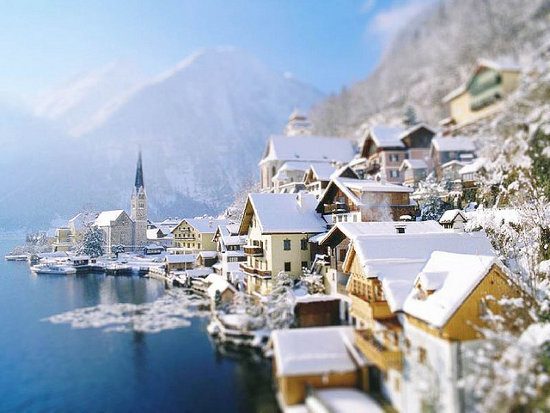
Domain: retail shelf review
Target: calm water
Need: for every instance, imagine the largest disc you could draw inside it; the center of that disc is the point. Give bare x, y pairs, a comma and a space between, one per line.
47, 367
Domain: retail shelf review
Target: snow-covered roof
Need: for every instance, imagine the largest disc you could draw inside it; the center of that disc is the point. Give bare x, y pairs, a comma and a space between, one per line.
206, 224
208, 254
473, 167
501, 64
387, 136
287, 213
450, 215
457, 143
309, 148
347, 400
451, 277
317, 350
323, 171
198, 272
80, 220
414, 128
397, 259
220, 285
180, 258
454, 93
414, 164
352, 230
105, 218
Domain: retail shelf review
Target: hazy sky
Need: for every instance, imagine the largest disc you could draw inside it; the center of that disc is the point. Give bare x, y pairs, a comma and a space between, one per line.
328, 43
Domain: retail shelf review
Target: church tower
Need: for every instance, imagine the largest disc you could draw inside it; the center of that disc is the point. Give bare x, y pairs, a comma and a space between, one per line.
139, 207
298, 124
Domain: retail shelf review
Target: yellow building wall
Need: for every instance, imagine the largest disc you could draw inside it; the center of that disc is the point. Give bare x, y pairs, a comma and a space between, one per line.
293, 389
462, 325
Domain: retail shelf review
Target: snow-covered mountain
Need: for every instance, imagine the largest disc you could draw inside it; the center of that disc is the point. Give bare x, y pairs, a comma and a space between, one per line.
431, 56
201, 126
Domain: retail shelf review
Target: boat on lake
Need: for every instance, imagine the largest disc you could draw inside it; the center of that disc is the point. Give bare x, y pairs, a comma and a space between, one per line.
16, 257
53, 269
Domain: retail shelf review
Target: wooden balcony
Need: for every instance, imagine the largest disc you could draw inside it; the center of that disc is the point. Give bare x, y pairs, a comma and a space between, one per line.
253, 250
254, 271
368, 310
377, 353
335, 208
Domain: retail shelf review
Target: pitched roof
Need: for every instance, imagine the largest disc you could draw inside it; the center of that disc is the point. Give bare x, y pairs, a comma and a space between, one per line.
284, 213
180, 258
450, 215
387, 136
458, 143
333, 351
352, 230
414, 128
309, 148
452, 277
206, 225
414, 164
105, 218
473, 167
397, 259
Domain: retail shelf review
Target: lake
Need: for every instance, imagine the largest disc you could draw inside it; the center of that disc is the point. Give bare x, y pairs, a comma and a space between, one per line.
47, 366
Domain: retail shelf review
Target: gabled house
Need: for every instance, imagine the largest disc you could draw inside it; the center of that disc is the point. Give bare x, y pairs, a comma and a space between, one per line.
385, 148
193, 235
413, 171
229, 246
318, 176
303, 150
361, 200
416, 302
453, 219
447, 149
483, 92
278, 228
471, 173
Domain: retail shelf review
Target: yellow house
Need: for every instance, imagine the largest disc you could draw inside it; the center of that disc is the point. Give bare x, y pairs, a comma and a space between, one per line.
482, 94
417, 301
318, 358
278, 227
193, 235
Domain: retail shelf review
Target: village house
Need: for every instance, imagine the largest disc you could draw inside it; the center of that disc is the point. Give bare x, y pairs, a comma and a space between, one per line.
413, 171
448, 149
336, 242
318, 176
161, 232
179, 262
229, 246
278, 227
315, 358
360, 200
471, 173
385, 148
299, 151
193, 235
482, 93
416, 299
453, 219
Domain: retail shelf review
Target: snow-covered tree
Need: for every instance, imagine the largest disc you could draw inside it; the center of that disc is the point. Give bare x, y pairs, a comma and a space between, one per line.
92, 242
430, 196
117, 249
312, 282
409, 117
280, 303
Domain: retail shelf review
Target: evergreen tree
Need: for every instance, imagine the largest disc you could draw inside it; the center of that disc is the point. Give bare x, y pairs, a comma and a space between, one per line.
430, 195
409, 117
92, 242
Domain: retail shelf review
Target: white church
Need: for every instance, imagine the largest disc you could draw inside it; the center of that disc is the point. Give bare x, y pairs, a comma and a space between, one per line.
121, 229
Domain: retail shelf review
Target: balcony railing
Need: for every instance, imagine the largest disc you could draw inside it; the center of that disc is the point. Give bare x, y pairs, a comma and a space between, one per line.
254, 271
335, 208
377, 353
253, 250
368, 310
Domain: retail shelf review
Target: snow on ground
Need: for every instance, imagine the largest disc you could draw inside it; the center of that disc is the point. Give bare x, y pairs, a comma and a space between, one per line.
172, 310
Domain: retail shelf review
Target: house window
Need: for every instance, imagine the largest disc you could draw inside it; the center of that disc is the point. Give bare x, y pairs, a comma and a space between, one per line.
286, 245
304, 264
287, 267
394, 157
303, 244
394, 173
421, 355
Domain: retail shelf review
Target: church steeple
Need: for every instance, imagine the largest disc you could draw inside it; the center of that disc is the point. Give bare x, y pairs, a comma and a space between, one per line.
140, 185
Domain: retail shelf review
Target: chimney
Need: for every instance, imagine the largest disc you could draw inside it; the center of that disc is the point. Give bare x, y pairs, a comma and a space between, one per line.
400, 228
